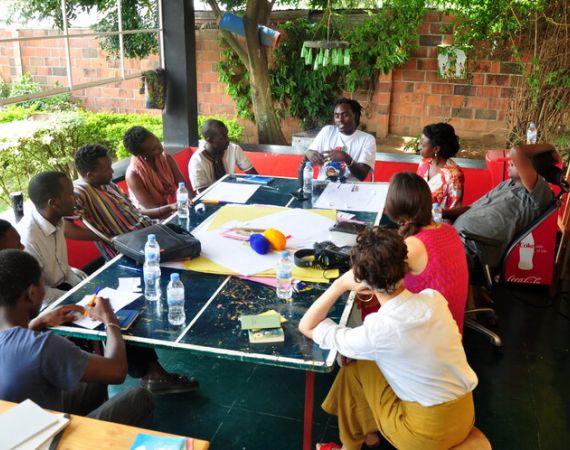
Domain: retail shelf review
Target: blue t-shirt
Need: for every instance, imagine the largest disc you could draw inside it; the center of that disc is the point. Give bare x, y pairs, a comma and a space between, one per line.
38, 366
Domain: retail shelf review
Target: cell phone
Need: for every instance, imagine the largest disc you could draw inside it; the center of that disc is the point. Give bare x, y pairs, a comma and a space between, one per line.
257, 179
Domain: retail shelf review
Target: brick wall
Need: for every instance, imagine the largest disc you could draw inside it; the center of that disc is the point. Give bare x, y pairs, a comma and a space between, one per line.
405, 100
419, 97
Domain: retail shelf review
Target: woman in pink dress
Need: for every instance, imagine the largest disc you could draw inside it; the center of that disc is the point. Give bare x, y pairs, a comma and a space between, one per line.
444, 177
436, 256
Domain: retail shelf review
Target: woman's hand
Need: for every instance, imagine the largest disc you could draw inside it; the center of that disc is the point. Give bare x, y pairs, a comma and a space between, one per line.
56, 317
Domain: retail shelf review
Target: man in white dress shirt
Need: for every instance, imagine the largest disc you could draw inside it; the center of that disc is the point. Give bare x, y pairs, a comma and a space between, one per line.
42, 230
344, 142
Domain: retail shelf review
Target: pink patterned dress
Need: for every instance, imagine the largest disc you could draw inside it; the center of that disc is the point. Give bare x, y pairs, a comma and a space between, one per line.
446, 186
446, 269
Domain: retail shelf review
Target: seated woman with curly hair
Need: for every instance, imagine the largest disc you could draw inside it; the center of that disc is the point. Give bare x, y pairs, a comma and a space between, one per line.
410, 379
436, 257
438, 144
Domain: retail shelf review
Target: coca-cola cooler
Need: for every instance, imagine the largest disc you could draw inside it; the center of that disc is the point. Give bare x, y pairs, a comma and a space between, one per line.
532, 260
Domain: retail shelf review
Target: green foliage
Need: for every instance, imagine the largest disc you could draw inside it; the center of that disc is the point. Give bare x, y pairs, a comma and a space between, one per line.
26, 85
108, 129
235, 76
490, 24
382, 41
378, 43
51, 144
302, 92
50, 147
136, 14
15, 113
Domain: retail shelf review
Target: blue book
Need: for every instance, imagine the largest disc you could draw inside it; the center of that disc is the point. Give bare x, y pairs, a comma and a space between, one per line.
256, 179
127, 317
150, 442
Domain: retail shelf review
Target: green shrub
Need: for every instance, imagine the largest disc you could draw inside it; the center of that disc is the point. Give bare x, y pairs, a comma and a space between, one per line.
52, 146
12, 113
26, 85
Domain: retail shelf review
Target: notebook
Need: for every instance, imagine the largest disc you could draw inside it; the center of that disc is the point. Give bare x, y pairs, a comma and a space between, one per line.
256, 179
150, 442
127, 317
23, 423
267, 336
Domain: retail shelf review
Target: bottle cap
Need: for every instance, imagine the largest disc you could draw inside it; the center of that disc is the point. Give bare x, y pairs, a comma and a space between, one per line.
174, 276
151, 237
284, 253
308, 164
532, 124
435, 205
181, 184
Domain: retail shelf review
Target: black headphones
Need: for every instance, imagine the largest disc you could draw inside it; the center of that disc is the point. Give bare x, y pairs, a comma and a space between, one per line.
304, 257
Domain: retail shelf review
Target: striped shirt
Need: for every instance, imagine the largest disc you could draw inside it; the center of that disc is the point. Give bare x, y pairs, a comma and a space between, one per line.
109, 210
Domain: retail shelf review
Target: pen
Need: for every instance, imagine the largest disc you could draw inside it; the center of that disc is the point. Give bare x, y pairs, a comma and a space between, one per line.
134, 269
213, 202
92, 301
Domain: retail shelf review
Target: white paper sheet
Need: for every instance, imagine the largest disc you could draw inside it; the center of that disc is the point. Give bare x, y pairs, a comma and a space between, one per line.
231, 192
118, 300
233, 254
129, 284
369, 197
304, 227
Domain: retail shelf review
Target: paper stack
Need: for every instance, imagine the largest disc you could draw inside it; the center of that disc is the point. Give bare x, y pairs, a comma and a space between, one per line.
27, 426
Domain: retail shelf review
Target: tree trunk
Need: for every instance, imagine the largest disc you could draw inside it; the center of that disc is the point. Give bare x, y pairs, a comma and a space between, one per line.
267, 122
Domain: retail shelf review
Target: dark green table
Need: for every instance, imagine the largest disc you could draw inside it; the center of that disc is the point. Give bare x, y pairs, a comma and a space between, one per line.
214, 304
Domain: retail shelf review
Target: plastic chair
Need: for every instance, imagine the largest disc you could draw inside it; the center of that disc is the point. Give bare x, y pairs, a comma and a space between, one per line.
555, 176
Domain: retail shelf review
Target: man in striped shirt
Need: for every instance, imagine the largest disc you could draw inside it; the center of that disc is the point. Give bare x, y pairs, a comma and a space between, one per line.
100, 201
105, 206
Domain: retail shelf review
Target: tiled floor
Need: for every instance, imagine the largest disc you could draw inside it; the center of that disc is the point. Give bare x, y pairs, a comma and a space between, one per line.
522, 401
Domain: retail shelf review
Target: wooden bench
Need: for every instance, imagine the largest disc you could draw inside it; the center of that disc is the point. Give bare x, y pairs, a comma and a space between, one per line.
83, 433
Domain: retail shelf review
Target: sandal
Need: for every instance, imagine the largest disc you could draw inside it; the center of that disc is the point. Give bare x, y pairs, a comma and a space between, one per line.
173, 384
328, 446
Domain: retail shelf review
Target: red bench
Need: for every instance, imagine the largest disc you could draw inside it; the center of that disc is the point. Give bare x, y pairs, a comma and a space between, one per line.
477, 183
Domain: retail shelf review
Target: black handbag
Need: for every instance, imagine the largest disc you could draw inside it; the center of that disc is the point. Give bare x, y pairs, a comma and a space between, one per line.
175, 242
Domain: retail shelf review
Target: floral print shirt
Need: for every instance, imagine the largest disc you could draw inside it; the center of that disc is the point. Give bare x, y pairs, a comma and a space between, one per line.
446, 186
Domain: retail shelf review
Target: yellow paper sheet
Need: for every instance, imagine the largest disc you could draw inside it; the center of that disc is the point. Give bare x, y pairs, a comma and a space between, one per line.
246, 213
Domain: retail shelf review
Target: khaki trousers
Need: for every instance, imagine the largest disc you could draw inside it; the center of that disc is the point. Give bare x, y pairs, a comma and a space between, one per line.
364, 403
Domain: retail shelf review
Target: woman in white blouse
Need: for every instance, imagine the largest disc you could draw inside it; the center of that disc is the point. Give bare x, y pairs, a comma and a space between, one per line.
410, 379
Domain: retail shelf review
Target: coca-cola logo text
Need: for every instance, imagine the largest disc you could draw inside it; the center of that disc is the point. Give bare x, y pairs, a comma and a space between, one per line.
526, 245
527, 280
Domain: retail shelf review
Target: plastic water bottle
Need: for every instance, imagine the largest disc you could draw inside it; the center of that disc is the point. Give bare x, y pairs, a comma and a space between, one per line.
308, 178
531, 133
284, 273
175, 300
182, 201
436, 213
151, 269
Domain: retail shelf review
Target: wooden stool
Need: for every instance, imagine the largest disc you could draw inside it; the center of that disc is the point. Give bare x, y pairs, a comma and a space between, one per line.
475, 440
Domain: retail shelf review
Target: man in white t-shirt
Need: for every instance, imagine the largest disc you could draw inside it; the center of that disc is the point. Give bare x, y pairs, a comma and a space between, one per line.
344, 142
216, 157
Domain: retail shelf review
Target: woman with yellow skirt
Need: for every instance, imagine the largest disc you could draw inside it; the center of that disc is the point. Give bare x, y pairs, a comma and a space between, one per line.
410, 379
